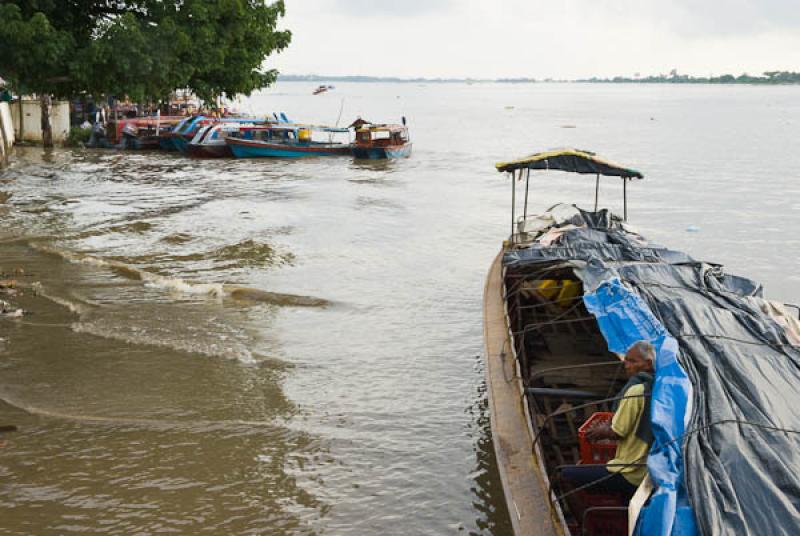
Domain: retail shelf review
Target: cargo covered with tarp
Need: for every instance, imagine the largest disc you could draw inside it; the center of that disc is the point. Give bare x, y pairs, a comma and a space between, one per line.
725, 408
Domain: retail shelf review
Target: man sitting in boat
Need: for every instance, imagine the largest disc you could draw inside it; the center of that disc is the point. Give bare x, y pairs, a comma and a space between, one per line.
630, 427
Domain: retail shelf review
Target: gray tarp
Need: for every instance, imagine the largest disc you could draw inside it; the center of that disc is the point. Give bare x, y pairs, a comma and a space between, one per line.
742, 448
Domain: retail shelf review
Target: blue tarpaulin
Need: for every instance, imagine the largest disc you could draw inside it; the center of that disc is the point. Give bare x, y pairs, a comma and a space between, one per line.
624, 318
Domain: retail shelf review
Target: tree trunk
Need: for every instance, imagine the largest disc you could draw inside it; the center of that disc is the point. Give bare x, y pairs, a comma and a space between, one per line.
47, 128
21, 122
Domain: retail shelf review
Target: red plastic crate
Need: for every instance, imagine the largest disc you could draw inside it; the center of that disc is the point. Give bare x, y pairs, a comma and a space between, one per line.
599, 451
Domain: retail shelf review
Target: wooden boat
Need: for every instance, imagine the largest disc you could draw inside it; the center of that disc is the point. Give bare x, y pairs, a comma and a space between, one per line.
165, 137
287, 141
139, 133
209, 141
569, 291
381, 141
182, 134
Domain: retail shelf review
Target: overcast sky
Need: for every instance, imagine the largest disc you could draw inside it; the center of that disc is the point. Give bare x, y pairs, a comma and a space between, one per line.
539, 38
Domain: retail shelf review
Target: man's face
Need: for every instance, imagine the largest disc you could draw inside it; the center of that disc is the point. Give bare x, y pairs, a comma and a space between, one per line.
635, 363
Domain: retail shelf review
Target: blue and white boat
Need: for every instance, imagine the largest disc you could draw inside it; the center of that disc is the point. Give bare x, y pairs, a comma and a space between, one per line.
289, 141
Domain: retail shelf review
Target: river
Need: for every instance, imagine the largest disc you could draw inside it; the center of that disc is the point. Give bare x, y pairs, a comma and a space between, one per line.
294, 347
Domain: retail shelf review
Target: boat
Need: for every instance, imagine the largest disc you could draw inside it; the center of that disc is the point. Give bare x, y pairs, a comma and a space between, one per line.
209, 141
381, 141
139, 133
165, 137
322, 89
570, 290
182, 134
288, 141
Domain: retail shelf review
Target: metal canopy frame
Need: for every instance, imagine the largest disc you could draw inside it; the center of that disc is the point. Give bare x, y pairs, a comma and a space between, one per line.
527, 172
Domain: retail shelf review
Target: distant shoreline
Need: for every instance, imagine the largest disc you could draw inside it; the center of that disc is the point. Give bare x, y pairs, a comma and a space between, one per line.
769, 78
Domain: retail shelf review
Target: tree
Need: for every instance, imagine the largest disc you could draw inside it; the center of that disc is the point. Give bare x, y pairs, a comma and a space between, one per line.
145, 49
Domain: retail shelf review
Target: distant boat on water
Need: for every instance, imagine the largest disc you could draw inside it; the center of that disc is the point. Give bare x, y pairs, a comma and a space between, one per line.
322, 89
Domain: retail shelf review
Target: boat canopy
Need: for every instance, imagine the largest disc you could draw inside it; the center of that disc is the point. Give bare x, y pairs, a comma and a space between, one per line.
572, 160
381, 128
294, 127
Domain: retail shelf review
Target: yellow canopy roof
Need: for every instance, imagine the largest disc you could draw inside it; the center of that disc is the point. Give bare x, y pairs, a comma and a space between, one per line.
572, 160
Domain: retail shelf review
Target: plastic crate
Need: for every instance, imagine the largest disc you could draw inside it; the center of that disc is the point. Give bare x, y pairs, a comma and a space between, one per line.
599, 451
606, 524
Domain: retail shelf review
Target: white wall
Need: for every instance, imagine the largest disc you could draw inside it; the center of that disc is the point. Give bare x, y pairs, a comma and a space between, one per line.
7, 130
32, 116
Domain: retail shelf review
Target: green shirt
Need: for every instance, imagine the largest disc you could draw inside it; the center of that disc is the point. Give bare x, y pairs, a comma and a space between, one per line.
630, 448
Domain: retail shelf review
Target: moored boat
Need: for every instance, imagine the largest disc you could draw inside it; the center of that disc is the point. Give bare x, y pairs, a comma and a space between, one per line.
568, 293
288, 141
182, 134
381, 141
139, 133
165, 137
209, 141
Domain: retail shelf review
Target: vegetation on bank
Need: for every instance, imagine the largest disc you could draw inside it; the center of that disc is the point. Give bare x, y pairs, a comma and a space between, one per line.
142, 49
769, 77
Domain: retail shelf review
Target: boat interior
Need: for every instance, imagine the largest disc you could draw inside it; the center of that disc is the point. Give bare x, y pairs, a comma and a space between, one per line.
290, 136
382, 137
568, 375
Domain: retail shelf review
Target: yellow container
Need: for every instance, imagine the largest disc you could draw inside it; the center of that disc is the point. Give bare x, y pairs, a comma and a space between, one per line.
304, 134
569, 291
548, 288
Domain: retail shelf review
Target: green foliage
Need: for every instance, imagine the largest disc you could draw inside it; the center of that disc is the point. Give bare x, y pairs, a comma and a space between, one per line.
141, 48
32, 50
78, 136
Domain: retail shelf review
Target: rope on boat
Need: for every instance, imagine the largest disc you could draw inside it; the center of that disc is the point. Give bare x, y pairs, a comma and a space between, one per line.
539, 433
686, 434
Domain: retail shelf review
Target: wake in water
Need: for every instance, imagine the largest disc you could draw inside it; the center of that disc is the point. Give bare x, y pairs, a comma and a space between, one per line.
100, 321
176, 284
159, 424
189, 345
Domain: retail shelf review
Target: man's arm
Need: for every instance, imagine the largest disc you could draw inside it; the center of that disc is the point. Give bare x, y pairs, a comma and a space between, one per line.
602, 431
625, 419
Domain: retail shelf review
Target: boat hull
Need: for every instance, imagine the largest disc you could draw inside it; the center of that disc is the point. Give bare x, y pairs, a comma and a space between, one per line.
181, 143
209, 151
165, 143
137, 143
381, 153
255, 149
520, 467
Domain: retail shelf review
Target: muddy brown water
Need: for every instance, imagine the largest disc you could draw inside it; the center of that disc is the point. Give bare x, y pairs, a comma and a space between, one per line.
293, 347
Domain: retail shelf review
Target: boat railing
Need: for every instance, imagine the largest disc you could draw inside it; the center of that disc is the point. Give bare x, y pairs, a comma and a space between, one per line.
566, 411
541, 373
555, 479
598, 510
